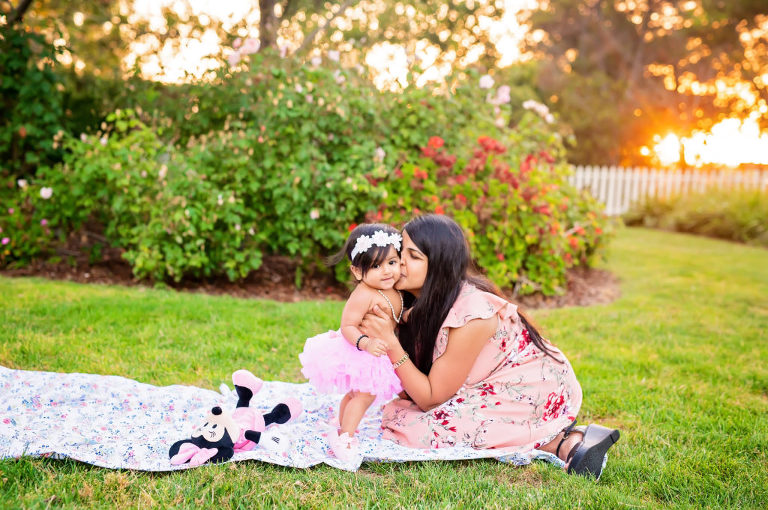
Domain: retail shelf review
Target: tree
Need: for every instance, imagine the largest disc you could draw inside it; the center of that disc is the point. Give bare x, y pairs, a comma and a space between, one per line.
647, 65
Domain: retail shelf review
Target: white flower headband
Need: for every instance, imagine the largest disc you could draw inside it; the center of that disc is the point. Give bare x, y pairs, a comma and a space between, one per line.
379, 238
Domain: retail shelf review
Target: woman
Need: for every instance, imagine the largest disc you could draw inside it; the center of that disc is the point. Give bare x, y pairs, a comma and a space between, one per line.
474, 371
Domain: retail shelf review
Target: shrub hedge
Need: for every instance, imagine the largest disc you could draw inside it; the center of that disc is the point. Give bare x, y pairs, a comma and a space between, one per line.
726, 214
298, 153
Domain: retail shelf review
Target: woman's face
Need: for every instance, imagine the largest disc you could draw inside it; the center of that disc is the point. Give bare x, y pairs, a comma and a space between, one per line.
413, 267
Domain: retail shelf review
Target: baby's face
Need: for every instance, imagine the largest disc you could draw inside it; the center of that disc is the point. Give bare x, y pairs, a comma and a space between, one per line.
384, 276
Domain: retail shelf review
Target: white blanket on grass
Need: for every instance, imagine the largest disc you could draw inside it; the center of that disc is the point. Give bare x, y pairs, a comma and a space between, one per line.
119, 423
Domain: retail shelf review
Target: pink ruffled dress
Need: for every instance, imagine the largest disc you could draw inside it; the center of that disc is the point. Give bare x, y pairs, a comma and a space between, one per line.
333, 365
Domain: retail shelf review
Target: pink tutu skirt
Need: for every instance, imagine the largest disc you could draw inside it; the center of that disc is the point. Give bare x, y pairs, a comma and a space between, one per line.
333, 365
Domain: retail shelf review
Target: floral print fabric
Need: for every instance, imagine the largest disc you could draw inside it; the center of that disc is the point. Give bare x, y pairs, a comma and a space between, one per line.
115, 422
515, 396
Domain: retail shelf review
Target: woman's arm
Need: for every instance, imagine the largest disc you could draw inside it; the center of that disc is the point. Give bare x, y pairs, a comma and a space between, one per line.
448, 372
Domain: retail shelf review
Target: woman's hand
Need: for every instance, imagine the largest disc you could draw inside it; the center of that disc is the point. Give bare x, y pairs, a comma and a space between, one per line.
379, 324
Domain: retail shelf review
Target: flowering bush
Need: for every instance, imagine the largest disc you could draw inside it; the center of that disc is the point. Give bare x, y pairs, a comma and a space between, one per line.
23, 236
281, 160
215, 206
525, 224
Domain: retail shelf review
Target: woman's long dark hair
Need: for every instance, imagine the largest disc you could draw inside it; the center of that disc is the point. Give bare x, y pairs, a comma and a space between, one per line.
449, 266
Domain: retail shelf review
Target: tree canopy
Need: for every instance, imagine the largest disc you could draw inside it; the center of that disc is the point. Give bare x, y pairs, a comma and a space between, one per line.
617, 71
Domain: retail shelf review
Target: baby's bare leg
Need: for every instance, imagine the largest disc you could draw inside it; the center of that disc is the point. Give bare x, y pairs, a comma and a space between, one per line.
355, 410
343, 404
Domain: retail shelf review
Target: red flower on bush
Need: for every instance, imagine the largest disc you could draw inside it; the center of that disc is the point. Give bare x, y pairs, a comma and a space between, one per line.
419, 173
546, 156
398, 173
528, 194
491, 145
428, 152
439, 210
461, 198
500, 256
573, 242
352, 227
435, 142
527, 163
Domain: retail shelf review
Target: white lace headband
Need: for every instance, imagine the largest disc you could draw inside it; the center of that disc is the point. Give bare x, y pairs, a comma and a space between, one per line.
379, 238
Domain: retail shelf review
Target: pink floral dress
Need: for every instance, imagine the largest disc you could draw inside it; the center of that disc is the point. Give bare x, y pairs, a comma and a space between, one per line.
514, 395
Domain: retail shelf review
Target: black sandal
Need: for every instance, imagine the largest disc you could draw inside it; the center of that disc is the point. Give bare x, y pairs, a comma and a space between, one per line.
589, 453
566, 432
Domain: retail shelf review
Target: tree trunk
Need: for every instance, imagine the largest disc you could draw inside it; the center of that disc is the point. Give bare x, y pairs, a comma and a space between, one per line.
18, 13
268, 24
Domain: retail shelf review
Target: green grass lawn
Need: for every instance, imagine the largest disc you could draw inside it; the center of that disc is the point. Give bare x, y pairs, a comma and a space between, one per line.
679, 364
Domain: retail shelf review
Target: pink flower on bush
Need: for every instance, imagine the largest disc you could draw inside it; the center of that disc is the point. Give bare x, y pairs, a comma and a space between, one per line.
43, 222
234, 59
486, 82
10, 210
251, 45
502, 95
6, 240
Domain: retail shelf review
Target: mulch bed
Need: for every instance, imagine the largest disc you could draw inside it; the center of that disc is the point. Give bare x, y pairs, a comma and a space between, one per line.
275, 280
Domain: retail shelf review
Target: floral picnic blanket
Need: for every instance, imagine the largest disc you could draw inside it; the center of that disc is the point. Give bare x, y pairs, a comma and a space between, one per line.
119, 423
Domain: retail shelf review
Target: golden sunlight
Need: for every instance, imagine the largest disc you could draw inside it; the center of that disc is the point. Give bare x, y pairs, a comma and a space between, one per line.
731, 142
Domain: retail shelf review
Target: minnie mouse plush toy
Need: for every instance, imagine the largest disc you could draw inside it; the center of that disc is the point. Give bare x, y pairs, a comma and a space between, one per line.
225, 433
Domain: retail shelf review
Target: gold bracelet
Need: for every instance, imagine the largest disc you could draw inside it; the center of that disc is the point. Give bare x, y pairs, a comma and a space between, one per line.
400, 361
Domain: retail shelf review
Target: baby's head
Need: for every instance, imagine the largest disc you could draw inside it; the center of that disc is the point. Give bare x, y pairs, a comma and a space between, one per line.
373, 250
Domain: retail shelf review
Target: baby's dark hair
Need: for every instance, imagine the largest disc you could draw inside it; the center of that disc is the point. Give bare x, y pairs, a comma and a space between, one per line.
369, 258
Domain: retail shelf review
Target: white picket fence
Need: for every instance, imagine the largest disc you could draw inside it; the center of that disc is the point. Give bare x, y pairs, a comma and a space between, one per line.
618, 187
